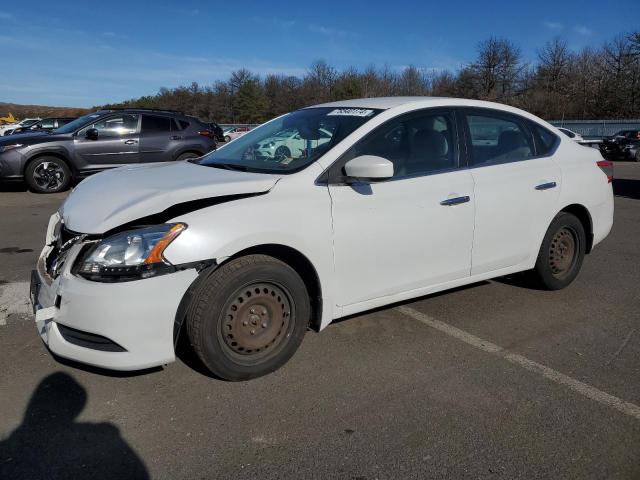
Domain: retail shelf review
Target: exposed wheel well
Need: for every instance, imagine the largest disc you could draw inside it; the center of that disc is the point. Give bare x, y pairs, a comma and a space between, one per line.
300, 264
581, 212
49, 154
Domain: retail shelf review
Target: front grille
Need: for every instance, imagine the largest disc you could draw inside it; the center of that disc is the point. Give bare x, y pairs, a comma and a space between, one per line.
89, 340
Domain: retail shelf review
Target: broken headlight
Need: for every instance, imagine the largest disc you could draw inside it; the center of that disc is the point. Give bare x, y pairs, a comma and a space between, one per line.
129, 255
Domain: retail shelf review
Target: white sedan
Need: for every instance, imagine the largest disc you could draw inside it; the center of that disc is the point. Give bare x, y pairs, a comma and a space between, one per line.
234, 132
242, 254
289, 143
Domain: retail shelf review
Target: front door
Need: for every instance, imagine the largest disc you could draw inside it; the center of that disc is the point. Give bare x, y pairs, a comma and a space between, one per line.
117, 142
409, 232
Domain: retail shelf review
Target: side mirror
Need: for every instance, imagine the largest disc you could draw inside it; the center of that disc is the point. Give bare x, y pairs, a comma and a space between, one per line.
92, 134
369, 167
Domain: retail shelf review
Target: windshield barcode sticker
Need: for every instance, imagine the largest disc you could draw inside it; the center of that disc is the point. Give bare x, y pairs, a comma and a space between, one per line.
351, 112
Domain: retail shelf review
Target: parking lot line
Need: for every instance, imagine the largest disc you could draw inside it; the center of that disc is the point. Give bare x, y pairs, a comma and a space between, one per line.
577, 386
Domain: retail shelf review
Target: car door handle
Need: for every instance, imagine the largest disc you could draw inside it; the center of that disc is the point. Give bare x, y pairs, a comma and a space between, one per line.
176, 137
130, 142
454, 201
546, 186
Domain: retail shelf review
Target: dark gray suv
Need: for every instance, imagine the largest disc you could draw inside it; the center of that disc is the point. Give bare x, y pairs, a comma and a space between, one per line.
50, 161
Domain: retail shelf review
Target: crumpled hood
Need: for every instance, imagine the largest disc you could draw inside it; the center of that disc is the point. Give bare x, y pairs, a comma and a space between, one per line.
115, 197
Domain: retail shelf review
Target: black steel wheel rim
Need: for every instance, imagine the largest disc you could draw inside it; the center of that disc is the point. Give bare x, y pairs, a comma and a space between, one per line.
257, 322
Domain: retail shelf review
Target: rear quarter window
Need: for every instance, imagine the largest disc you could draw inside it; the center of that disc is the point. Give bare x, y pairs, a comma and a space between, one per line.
546, 141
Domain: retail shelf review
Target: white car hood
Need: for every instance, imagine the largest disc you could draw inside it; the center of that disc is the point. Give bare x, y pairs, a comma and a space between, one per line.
115, 197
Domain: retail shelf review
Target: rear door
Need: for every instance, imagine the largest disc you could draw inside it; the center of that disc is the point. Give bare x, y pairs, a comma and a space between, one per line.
517, 186
117, 142
159, 138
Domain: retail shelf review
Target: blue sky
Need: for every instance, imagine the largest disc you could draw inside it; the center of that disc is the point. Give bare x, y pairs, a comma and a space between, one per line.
89, 53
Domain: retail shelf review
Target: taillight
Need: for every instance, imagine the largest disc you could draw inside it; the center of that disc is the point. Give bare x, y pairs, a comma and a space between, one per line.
607, 167
207, 133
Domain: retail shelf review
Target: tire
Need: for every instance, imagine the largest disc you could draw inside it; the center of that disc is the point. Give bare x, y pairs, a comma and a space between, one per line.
282, 152
561, 253
187, 155
48, 175
227, 138
637, 157
248, 317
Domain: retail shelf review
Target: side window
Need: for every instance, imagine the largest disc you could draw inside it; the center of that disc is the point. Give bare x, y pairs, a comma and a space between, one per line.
47, 123
498, 139
153, 124
182, 124
546, 141
115, 126
416, 143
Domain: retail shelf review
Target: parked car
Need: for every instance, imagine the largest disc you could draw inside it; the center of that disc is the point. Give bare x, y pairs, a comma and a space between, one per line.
99, 141
234, 132
46, 124
624, 145
7, 129
217, 131
576, 137
289, 144
242, 253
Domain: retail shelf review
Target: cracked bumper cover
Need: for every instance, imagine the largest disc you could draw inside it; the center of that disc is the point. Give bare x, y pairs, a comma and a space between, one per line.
136, 315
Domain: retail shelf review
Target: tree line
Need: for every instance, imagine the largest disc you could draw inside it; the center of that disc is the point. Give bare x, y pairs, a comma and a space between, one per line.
592, 83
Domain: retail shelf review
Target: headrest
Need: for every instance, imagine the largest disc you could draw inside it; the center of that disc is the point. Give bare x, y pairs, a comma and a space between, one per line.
430, 143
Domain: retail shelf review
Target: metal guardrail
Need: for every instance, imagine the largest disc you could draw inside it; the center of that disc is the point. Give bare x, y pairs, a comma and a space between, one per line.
597, 129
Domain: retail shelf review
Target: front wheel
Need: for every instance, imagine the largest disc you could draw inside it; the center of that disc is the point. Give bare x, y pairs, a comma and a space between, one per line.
637, 157
227, 138
561, 253
48, 175
248, 317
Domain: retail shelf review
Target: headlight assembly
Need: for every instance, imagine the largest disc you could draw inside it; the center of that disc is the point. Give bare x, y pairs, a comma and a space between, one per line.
129, 255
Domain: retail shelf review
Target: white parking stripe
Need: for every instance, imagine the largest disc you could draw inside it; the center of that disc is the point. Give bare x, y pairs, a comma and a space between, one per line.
577, 386
14, 298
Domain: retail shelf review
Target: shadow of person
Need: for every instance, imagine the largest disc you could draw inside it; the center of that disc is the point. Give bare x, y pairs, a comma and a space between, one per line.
50, 444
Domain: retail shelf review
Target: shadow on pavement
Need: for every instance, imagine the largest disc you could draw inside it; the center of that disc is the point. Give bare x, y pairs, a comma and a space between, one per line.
13, 187
623, 187
51, 444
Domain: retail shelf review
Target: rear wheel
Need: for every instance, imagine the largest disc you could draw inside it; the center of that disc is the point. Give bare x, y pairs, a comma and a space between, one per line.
561, 254
249, 317
637, 157
48, 175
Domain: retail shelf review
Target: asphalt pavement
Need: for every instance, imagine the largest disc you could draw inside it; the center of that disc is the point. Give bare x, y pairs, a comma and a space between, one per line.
494, 380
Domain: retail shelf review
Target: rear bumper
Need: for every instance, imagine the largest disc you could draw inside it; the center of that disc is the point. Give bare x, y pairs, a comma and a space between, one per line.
119, 326
602, 218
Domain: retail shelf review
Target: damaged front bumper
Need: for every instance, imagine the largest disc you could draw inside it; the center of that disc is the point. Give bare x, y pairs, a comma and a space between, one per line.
120, 326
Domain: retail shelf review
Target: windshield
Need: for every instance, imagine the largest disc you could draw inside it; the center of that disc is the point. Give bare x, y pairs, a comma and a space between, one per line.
77, 123
291, 142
